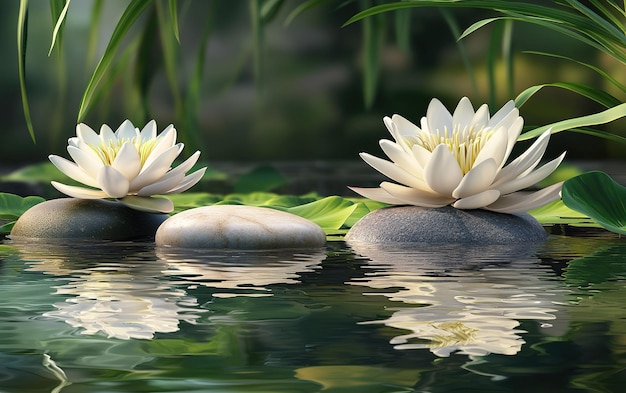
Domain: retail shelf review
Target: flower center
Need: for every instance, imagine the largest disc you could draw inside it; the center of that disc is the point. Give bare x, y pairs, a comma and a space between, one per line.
455, 333
465, 144
109, 150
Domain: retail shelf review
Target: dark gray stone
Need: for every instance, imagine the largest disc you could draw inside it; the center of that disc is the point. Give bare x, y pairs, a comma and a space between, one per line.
88, 219
412, 224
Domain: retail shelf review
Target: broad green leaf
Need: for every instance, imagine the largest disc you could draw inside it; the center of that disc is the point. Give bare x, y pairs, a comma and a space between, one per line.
262, 178
13, 206
598, 196
22, 27
58, 26
330, 213
250, 199
556, 212
190, 200
130, 15
603, 117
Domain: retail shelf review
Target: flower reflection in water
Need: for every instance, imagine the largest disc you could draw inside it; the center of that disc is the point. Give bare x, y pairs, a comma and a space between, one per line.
118, 294
468, 300
241, 273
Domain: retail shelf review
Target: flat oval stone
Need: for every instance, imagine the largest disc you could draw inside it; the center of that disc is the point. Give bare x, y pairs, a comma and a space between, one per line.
89, 219
412, 224
239, 227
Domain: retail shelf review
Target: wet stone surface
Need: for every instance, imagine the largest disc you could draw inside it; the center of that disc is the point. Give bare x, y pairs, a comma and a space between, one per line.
412, 224
239, 227
86, 219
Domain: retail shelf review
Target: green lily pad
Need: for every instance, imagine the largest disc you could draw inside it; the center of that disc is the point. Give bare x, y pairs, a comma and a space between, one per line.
330, 213
598, 196
12, 207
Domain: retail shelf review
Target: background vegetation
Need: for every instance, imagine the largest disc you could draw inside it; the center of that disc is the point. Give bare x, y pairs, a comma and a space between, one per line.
269, 80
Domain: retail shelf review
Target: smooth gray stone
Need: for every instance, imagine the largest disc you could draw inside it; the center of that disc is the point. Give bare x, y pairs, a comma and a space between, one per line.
88, 219
412, 224
239, 227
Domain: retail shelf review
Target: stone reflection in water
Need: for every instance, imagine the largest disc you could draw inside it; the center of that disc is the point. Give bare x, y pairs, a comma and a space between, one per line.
466, 299
111, 289
241, 273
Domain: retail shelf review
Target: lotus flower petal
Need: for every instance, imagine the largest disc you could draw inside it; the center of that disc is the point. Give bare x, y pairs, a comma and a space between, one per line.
393, 171
377, 194
128, 164
188, 182
442, 173
112, 182
79, 192
148, 204
519, 202
72, 170
414, 196
532, 178
477, 201
477, 180
459, 159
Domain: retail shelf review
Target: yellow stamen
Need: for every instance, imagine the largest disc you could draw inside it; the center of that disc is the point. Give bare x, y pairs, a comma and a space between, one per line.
456, 333
109, 150
465, 144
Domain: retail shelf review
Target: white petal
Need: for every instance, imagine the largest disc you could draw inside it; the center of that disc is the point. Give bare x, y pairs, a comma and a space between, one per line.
477, 180
494, 149
532, 178
393, 171
481, 117
463, 113
526, 161
126, 131
188, 181
112, 182
377, 194
148, 204
87, 135
421, 154
127, 162
442, 172
415, 197
79, 192
519, 202
477, 201
403, 159
153, 172
505, 115
87, 160
513, 131
404, 126
165, 141
107, 136
73, 171
149, 131
439, 118
163, 185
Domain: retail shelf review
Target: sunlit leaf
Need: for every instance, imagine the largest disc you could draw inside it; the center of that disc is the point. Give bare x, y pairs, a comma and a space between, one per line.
603, 117
556, 212
22, 26
598, 196
329, 213
58, 26
597, 95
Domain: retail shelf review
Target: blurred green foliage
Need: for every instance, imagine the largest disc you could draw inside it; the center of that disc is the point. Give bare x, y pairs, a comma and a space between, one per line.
283, 80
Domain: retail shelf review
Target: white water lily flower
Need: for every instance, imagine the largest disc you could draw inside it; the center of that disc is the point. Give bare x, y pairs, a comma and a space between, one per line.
128, 165
459, 159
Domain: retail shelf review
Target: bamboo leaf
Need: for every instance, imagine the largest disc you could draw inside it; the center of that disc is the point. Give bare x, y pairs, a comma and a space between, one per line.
584, 90
22, 27
307, 5
603, 117
174, 18
58, 32
130, 15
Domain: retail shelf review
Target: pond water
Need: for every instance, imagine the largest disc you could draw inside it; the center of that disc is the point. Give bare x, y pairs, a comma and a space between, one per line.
130, 317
